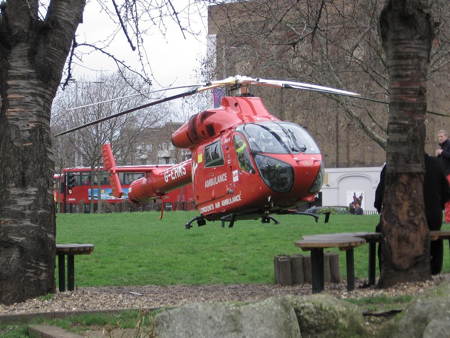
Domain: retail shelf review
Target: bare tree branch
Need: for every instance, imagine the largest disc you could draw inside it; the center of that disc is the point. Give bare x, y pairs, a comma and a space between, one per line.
120, 63
124, 29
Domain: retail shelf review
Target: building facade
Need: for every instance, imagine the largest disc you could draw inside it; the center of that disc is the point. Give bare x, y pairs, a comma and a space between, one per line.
287, 39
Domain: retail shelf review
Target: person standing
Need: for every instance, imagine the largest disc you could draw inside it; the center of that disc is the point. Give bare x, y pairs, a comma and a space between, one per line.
436, 193
443, 153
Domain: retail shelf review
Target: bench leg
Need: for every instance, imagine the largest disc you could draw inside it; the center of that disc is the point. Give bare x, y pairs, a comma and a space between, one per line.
62, 272
350, 269
70, 272
372, 261
317, 270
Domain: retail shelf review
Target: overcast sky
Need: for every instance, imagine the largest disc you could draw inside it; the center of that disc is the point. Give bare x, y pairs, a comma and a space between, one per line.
174, 60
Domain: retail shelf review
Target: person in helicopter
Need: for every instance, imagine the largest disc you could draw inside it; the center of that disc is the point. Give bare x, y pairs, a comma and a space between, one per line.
243, 154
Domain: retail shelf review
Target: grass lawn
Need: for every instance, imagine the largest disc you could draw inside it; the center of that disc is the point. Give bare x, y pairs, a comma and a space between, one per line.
141, 249
81, 323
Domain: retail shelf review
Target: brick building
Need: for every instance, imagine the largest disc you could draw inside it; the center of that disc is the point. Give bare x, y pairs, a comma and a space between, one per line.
282, 39
154, 146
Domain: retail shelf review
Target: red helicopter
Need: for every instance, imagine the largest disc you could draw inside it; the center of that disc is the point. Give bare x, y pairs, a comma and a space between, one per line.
245, 164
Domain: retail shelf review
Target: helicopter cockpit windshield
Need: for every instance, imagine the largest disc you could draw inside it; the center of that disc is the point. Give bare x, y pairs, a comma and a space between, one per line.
278, 138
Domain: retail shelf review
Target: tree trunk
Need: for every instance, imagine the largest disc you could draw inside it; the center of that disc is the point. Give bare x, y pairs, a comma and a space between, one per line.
32, 57
406, 32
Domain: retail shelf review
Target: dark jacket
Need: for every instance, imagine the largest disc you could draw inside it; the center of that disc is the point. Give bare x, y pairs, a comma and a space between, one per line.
445, 156
435, 190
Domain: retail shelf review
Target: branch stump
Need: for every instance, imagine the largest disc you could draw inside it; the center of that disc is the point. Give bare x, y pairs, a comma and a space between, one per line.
296, 269
283, 273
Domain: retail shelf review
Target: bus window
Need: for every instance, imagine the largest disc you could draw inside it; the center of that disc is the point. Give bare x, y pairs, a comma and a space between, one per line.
127, 178
100, 178
85, 179
76, 178
104, 180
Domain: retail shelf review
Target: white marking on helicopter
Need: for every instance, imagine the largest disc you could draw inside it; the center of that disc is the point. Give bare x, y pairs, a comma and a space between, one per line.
223, 203
175, 173
235, 175
215, 180
206, 208
194, 168
230, 200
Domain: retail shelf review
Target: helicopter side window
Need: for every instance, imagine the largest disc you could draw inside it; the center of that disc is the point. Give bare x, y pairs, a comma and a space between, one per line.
243, 154
213, 155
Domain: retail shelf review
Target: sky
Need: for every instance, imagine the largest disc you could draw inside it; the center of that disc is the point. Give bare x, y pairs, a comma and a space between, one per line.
174, 60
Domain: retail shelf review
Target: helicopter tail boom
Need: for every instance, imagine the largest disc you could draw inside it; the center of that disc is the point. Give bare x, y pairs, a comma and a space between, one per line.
110, 165
158, 183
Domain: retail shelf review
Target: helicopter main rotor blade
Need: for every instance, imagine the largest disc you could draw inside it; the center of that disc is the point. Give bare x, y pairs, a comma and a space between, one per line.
316, 88
214, 84
133, 95
153, 103
238, 80
292, 84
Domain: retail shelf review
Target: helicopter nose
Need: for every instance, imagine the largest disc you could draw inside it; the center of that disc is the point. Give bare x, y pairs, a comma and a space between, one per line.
277, 174
308, 166
308, 162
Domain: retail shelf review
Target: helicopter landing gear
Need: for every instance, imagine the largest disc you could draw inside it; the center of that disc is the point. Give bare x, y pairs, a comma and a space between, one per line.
316, 218
228, 218
199, 219
295, 212
267, 219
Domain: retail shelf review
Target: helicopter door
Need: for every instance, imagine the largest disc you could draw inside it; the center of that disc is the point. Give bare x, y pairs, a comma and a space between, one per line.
214, 172
245, 183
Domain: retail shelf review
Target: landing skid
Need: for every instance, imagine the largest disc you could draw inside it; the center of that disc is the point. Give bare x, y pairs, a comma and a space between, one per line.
199, 219
267, 219
231, 218
295, 212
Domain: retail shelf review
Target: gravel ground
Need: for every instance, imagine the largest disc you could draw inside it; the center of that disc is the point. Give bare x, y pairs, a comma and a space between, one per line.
151, 296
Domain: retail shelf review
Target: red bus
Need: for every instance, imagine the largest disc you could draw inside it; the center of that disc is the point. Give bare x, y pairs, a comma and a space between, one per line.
85, 187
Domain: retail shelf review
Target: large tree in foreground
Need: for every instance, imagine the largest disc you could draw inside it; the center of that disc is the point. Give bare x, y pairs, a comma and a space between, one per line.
35, 40
33, 52
406, 30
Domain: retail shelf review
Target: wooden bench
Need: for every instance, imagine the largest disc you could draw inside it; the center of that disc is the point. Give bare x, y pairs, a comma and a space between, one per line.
69, 250
439, 234
341, 240
316, 244
370, 237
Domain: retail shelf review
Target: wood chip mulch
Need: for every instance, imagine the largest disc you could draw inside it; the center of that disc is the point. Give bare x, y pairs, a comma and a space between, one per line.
152, 296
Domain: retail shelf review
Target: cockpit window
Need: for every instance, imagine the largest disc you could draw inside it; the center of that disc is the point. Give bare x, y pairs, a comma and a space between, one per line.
243, 154
213, 155
279, 138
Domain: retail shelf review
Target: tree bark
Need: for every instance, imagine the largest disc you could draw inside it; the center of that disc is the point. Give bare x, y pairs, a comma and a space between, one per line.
32, 57
406, 33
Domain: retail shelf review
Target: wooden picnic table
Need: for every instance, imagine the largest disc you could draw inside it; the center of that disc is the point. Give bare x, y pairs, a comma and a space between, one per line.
370, 237
317, 244
70, 250
347, 241
439, 234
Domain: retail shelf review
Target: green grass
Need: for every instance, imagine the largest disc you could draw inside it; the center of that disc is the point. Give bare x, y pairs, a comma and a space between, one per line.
141, 320
141, 249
